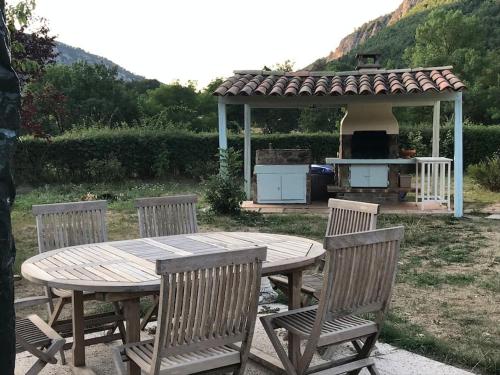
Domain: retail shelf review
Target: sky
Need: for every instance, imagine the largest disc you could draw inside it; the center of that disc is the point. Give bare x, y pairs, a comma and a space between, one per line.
200, 39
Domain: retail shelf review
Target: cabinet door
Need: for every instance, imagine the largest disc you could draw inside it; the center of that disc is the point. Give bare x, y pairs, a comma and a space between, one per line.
360, 176
379, 176
369, 176
268, 187
293, 187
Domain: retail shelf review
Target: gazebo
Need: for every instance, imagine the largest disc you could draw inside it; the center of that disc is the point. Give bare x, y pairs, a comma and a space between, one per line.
369, 94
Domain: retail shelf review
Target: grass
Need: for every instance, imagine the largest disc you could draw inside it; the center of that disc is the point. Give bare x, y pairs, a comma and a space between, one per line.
446, 298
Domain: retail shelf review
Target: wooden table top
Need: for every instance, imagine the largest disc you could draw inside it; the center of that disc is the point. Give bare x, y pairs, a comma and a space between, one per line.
129, 266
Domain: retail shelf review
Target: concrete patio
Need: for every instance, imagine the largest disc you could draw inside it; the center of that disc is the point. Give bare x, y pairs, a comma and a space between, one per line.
389, 360
319, 207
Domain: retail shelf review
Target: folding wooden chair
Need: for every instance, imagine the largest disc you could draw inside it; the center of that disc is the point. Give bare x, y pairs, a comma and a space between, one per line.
345, 217
69, 224
36, 336
208, 303
360, 273
165, 216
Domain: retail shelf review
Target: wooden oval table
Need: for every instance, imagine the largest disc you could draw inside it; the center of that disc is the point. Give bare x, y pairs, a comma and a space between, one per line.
125, 270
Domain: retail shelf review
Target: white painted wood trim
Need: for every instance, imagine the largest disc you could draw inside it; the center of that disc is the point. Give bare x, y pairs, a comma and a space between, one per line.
458, 157
435, 128
247, 157
369, 161
222, 131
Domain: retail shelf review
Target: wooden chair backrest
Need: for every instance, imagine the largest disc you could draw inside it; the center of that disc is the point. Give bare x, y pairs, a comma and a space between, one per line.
360, 273
351, 217
167, 216
206, 301
70, 224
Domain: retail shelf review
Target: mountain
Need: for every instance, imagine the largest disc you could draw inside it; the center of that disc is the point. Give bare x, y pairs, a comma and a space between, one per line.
69, 55
366, 32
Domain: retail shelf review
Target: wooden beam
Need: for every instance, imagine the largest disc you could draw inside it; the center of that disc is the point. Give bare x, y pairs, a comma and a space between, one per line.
248, 151
458, 157
397, 100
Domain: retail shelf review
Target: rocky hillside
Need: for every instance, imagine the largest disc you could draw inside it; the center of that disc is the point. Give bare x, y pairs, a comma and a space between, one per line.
369, 29
69, 55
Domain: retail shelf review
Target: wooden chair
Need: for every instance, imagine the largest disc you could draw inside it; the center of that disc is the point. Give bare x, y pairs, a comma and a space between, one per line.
345, 217
208, 303
36, 336
69, 224
165, 216
359, 277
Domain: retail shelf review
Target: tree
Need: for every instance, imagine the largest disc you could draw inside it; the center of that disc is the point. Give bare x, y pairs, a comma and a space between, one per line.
31, 51
449, 37
320, 119
9, 126
92, 92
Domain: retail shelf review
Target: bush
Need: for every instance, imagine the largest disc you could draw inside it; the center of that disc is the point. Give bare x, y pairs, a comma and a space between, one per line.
224, 191
487, 173
146, 153
107, 170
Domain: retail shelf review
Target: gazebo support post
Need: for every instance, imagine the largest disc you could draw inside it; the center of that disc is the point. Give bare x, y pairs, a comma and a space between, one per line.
435, 144
247, 153
458, 157
435, 129
222, 134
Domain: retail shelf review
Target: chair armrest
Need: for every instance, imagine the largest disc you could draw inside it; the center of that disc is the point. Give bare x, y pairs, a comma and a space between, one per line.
30, 301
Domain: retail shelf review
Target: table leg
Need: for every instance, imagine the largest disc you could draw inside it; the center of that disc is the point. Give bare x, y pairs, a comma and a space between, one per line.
294, 298
132, 320
78, 330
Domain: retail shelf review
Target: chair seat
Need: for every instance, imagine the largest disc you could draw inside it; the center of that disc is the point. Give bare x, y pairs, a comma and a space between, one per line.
28, 330
346, 328
311, 283
186, 363
64, 293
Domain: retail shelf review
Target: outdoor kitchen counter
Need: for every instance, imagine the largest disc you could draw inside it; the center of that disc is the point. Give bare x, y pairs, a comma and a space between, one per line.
369, 161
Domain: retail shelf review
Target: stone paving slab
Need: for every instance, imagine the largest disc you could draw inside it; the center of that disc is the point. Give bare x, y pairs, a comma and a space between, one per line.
389, 360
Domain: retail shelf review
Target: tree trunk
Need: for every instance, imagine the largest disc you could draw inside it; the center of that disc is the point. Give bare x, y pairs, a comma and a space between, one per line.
9, 126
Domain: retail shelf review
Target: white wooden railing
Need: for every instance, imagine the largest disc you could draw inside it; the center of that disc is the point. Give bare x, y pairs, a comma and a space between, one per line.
433, 181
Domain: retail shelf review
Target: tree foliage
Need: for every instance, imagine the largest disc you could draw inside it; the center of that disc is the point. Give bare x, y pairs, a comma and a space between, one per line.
449, 37
32, 46
92, 94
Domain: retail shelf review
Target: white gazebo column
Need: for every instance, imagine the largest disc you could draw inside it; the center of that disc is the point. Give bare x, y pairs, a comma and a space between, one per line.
435, 129
222, 133
435, 148
458, 158
247, 153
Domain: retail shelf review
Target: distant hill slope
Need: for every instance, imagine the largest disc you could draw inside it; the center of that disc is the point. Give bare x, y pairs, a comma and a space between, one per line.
69, 55
400, 24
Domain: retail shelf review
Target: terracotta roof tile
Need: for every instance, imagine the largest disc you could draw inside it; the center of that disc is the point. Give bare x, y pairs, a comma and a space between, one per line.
321, 86
374, 82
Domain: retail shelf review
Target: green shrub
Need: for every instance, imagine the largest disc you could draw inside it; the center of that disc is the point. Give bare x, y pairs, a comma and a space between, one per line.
141, 150
107, 170
161, 164
224, 191
487, 173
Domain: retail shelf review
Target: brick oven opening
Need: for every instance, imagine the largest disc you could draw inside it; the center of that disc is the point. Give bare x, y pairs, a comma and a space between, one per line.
370, 145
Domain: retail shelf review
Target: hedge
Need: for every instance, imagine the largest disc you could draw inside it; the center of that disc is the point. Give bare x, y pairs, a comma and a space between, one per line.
146, 153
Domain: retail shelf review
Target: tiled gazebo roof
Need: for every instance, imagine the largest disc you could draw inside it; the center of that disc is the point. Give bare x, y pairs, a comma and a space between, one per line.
372, 82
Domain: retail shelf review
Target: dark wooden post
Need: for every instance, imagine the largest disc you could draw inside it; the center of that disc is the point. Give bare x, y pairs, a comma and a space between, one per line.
9, 125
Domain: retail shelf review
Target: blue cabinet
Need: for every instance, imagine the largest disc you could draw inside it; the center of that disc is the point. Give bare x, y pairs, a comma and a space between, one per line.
281, 183
376, 176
